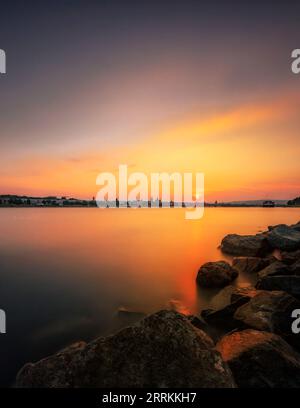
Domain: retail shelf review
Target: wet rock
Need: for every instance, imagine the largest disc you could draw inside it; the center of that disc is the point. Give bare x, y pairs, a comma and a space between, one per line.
245, 245
284, 238
270, 311
289, 284
260, 359
162, 350
216, 274
276, 268
251, 264
290, 257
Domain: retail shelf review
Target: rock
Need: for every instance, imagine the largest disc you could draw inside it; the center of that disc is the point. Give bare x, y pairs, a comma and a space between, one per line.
287, 283
296, 226
284, 238
276, 268
162, 350
222, 298
247, 293
271, 227
251, 264
295, 268
270, 311
201, 324
224, 318
245, 245
216, 274
260, 359
290, 257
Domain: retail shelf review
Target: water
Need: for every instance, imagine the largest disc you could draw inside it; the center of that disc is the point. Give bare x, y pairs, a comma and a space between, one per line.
65, 272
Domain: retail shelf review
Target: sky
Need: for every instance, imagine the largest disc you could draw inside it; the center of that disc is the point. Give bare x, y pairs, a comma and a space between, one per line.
157, 85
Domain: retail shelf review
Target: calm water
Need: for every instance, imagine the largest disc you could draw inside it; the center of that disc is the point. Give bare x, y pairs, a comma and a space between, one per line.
65, 272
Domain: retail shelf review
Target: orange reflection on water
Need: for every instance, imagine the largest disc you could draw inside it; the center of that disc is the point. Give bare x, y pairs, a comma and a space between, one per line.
141, 258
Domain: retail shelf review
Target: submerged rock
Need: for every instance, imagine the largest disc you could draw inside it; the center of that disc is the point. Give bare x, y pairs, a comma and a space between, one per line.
162, 350
289, 284
216, 274
284, 238
270, 311
276, 268
251, 264
260, 359
245, 245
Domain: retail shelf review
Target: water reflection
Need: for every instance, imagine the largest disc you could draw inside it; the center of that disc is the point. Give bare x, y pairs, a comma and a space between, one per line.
64, 273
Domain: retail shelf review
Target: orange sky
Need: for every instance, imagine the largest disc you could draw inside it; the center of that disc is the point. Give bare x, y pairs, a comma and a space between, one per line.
247, 152
178, 90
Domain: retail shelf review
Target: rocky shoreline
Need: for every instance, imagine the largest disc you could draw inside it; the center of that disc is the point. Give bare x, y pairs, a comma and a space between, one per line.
248, 343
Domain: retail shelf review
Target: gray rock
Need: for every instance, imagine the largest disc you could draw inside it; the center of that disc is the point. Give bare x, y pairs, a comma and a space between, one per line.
245, 245
276, 268
162, 350
284, 238
216, 274
260, 360
287, 283
251, 264
270, 311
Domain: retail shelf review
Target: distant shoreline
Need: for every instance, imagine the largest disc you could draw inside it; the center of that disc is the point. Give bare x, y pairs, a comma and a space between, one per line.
95, 206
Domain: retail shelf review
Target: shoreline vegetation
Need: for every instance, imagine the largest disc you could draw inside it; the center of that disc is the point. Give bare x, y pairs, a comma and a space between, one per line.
252, 341
16, 201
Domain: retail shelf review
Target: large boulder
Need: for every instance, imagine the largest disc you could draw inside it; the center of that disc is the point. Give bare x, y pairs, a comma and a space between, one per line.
284, 238
245, 245
216, 274
251, 264
162, 350
289, 284
260, 359
276, 268
290, 257
272, 312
